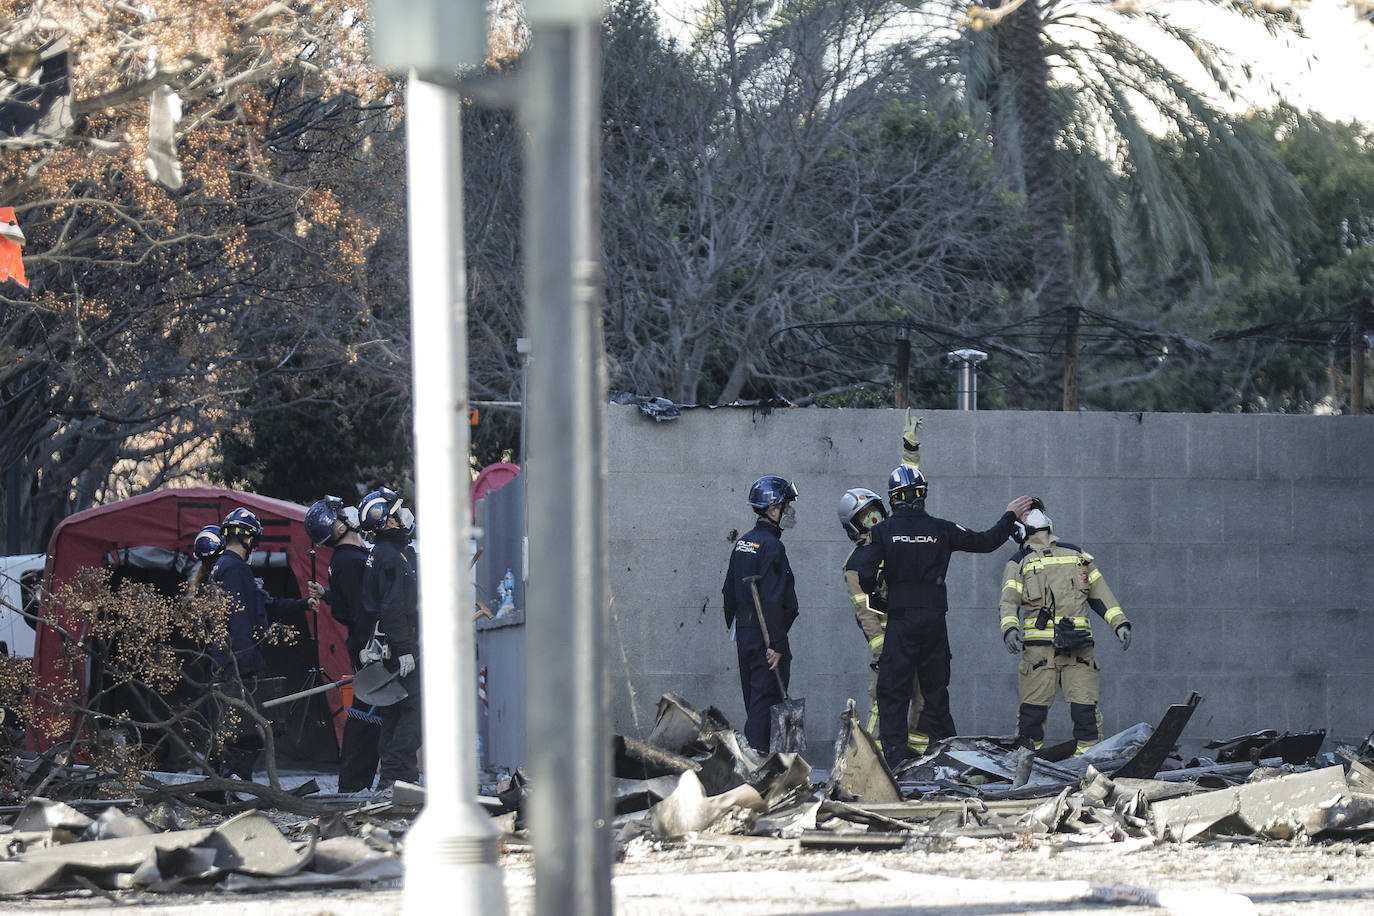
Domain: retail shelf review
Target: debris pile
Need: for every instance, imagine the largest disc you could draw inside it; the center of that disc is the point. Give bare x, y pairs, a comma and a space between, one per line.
694, 775
157, 842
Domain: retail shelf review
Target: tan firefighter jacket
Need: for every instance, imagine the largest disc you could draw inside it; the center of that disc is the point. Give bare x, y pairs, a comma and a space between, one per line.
869, 610
1048, 592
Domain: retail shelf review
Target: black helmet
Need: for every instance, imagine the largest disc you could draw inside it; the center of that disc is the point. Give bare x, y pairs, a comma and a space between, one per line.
769, 491
859, 510
209, 543
381, 504
241, 523
906, 486
321, 518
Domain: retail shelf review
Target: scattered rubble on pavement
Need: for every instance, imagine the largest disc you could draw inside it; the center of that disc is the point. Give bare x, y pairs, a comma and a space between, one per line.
694, 780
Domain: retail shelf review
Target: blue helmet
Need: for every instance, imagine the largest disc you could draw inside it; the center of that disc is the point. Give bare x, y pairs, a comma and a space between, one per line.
377, 507
209, 543
321, 518
241, 523
906, 486
769, 491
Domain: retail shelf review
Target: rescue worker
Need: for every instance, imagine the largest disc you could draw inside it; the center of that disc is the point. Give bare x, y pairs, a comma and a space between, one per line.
760, 553
1048, 587
239, 660
912, 549
332, 524
391, 596
859, 510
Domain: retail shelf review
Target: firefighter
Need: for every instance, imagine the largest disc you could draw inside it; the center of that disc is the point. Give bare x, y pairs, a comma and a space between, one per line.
859, 510
760, 553
913, 549
239, 662
332, 524
1048, 587
391, 596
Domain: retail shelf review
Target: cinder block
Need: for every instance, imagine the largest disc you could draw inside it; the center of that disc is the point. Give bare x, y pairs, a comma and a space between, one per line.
1350, 443
1080, 445
1292, 447
1151, 445
1220, 446
1192, 514
1011, 441
1224, 575
1327, 514
1113, 507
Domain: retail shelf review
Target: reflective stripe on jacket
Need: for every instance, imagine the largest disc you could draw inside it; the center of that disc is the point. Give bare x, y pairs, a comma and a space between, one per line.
1042, 586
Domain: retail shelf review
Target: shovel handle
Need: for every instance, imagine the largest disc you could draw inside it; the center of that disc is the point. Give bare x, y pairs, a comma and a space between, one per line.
763, 625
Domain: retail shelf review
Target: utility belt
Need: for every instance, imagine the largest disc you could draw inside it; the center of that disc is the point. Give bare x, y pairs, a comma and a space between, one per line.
1067, 635
916, 594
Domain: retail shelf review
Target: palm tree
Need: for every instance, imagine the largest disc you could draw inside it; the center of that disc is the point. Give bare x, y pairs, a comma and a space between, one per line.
1076, 107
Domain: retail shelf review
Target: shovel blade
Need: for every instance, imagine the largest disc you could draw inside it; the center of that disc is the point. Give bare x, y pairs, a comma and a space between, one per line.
787, 732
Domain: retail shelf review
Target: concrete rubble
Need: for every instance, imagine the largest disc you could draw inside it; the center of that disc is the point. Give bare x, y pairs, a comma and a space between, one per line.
694, 776
694, 780
155, 845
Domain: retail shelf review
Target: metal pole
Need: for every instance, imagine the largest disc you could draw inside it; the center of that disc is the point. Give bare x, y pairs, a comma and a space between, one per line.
451, 850
967, 361
567, 596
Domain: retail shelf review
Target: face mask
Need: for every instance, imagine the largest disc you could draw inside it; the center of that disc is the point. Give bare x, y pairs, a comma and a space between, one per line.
870, 519
788, 518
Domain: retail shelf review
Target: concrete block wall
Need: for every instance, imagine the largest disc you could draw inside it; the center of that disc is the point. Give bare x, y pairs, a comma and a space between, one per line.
1241, 547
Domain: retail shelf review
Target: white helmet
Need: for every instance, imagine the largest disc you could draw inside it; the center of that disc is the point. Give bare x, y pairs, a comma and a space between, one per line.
859, 510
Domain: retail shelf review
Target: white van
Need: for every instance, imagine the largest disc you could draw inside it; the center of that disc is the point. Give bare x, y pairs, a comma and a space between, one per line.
20, 578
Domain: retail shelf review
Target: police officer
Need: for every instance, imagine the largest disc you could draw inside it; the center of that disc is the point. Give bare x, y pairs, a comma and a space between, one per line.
913, 548
859, 510
1048, 586
760, 554
251, 611
391, 596
332, 524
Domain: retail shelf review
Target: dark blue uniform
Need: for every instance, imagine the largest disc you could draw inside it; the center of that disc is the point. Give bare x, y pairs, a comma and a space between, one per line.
391, 594
358, 755
913, 550
241, 659
760, 553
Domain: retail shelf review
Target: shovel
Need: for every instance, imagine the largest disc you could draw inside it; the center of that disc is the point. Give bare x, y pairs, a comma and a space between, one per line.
787, 732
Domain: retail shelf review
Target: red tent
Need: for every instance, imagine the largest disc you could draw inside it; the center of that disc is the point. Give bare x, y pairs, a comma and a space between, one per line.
149, 537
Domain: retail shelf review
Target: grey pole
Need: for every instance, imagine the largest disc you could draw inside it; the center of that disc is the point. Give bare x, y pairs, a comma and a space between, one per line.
567, 596
451, 852
967, 361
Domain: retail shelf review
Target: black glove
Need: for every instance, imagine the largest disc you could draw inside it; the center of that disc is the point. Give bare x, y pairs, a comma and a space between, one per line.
1012, 640
1123, 633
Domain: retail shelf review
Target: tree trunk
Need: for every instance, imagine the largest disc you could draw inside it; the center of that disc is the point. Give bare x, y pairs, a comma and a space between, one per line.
1024, 60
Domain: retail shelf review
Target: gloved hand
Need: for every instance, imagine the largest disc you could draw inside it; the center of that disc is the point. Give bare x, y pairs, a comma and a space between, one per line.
1012, 640
407, 663
1123, 633
372, 652
909, 435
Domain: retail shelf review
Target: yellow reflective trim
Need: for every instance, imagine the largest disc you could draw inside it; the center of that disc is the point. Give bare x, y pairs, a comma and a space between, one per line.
1094, 576
1009, 622
1034, 564
1082, 747
1039, 634
860, 598
1014, 583
872, 727
1113, 613
876, 642
917, 742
